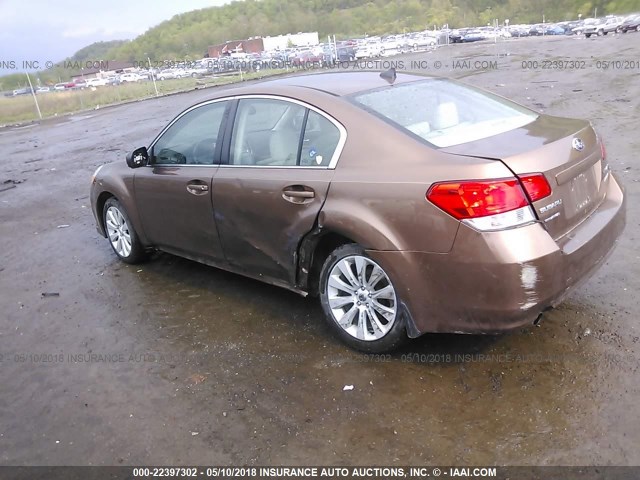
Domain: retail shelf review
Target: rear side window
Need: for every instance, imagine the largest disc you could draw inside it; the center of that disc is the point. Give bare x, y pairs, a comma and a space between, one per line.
266, 132
278, 133
320, 141
445, 113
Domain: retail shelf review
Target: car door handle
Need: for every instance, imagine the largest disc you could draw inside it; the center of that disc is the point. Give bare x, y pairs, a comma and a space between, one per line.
197, 188
298, 194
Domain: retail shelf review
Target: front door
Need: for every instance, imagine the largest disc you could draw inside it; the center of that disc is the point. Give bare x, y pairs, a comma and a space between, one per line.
174, 191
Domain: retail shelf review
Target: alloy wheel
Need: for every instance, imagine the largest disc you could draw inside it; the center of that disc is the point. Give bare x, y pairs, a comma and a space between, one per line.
361, 298
118, 231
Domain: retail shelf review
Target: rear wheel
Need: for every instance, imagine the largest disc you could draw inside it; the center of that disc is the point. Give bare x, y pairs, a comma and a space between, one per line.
120, 232
360, 301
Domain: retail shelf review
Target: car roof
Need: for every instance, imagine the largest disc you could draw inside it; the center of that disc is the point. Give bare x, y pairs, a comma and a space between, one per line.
341, 83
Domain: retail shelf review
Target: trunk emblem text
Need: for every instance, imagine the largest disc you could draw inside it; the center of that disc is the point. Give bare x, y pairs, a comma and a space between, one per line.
555, 204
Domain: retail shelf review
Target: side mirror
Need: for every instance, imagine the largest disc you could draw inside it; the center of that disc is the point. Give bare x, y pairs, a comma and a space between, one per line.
138, 158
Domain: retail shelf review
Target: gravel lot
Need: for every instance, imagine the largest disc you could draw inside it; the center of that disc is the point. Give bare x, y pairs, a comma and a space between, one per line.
192, 365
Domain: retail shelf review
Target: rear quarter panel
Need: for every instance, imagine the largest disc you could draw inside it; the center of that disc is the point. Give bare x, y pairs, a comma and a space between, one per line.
377, 195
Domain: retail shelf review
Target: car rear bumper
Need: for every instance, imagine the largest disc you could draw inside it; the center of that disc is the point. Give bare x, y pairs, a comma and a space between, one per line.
496, 281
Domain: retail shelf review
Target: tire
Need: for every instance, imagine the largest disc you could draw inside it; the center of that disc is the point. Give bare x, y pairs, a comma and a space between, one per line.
122, 237
600, 33
371, 314
588, 35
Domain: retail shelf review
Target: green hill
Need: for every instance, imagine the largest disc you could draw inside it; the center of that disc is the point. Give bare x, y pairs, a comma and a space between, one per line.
96, 51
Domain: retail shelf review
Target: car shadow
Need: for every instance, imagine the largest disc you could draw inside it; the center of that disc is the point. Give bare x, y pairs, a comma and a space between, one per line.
304, 313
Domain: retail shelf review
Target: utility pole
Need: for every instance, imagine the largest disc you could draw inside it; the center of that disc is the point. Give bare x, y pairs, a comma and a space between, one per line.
153, 76
33, 93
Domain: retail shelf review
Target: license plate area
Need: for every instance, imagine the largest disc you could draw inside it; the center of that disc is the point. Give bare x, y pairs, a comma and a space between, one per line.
584, 191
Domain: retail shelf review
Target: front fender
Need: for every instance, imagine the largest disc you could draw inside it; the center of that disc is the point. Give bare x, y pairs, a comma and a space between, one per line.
116, 180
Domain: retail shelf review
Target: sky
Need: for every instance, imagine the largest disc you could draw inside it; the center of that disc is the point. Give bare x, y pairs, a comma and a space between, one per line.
51, 30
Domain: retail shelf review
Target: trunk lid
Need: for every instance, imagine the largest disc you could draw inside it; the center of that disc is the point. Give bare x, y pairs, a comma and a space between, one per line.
567, 152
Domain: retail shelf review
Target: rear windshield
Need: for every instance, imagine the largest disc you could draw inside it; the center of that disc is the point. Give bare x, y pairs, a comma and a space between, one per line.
445, 113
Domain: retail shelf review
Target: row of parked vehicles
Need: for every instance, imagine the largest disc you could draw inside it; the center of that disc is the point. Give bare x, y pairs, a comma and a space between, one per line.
128, 77
78, 84
414, 41
327, 54
587, 27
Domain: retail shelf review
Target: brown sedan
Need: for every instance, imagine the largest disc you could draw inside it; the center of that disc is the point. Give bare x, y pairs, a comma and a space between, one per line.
408, 205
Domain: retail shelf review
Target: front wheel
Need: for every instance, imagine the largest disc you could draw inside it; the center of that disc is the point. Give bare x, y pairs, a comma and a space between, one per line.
360, 301
120, 232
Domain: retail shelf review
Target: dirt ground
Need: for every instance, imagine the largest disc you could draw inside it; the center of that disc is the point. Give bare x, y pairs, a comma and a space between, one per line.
192, 365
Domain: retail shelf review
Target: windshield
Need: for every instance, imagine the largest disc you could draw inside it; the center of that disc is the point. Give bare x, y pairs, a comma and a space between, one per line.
445, 113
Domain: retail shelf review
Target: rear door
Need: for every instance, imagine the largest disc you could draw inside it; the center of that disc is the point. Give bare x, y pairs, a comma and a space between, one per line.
278, 164
174, 191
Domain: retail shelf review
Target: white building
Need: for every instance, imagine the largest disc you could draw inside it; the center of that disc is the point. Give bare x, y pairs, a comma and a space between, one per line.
308, 39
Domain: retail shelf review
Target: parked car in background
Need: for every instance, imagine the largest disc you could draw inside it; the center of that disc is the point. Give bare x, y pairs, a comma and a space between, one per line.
569, 26
519, 31
22, 91
170, 73
630, 24
97, 82
392, 45
546, 29
420, 41
479, 215
131, 77
455, 36
368, 50
346, 53
64, 86
603, 27
473, 36
584, 25
307, 59
196, 70
43, 90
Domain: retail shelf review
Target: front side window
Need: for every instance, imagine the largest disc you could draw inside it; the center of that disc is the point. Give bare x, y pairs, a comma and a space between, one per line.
192, 139
445, 113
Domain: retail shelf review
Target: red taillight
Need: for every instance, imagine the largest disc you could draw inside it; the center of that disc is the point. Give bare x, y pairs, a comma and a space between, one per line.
603, 150
536, 186
477, 198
